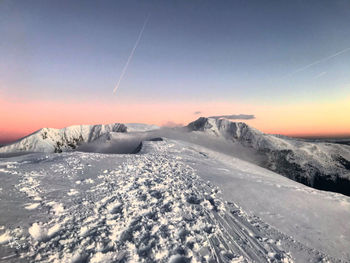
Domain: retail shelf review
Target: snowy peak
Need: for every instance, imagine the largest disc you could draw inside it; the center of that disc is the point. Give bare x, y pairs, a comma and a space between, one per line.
323, 166
223, 127
58, 140
240, 132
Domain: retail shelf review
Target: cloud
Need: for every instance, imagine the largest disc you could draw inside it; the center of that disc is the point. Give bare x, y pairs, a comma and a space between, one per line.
197, 112
235, 117
171, 124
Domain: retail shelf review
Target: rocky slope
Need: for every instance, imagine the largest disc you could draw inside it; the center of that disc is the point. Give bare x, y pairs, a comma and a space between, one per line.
324, 166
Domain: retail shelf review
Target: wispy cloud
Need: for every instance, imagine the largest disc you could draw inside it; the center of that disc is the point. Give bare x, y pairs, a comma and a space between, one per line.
197, 112
235, 117
319, 61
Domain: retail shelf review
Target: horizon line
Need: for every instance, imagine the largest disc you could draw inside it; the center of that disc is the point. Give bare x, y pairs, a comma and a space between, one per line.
10, 139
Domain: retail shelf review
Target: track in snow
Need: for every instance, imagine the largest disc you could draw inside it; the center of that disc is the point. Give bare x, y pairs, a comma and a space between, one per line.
144, 208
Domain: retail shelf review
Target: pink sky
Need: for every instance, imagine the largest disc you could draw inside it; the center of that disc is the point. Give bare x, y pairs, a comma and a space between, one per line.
19, 118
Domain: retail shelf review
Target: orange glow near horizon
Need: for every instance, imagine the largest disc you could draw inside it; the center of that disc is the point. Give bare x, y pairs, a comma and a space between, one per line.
314, 119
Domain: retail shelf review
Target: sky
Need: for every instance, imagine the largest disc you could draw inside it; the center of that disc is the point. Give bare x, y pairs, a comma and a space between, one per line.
287, 63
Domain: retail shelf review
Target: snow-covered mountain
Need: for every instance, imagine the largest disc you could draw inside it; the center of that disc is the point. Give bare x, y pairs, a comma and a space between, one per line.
69, 138
58, 140
180, 199
323, 166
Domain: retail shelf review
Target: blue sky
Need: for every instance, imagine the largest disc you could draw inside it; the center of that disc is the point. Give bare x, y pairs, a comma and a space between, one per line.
231, 52
189, 49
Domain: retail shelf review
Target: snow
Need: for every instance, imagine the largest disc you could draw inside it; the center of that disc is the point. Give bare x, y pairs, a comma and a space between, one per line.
57, 140
173, 201
318, 219
38, 232
320, 165
31, 206
147, 206
56, 208
5, 238
140, 127
72, 192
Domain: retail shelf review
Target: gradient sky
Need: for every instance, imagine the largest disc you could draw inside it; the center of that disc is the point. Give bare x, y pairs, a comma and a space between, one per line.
286, 62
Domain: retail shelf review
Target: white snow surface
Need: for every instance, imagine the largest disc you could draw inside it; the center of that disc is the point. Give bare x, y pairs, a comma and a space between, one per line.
57, 140
249, 136
171, 202
69, 138
306, 155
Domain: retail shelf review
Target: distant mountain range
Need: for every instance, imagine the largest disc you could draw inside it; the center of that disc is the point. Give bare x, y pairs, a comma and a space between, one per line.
321, 165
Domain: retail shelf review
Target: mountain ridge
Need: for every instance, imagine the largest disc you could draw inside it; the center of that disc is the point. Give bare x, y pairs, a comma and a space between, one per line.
324, 166
58, 140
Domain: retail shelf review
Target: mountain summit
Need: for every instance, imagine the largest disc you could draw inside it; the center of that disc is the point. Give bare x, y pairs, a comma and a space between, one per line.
324, 166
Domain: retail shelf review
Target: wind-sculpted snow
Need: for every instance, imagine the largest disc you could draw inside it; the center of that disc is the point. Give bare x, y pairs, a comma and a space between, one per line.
325, 166
147, 207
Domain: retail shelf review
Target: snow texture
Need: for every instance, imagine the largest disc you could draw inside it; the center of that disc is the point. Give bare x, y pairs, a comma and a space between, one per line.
325, 166
167, 200
155, 206
58, 140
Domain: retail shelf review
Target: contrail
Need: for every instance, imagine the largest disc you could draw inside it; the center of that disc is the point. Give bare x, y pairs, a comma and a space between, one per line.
320, 75
319, 61
131, 55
